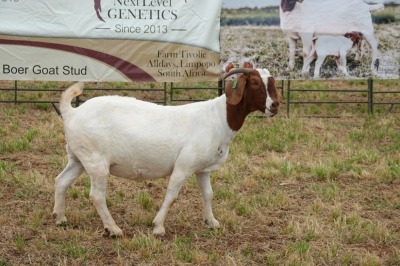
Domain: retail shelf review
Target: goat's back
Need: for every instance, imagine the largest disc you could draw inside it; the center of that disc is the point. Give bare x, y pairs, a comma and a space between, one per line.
124, 130
117, 115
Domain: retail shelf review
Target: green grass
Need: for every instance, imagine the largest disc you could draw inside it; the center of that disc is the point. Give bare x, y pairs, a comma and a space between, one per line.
145, 200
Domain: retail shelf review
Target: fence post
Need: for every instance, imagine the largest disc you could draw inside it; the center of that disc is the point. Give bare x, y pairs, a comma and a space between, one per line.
171, 96
370, 96
220, 87
165, 93
15, 91
288, 99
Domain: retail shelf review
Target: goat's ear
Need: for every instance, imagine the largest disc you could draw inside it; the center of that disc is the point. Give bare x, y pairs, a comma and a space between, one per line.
234, 90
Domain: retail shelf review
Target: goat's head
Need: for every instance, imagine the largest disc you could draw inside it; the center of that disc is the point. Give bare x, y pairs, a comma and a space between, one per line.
354, 36
253, 90
288, 5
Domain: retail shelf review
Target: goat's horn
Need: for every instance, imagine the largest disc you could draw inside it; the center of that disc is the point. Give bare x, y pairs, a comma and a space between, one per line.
237, 71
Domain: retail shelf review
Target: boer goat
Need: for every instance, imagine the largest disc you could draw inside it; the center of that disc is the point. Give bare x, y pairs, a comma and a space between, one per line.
304, 19
337, 46
129, 138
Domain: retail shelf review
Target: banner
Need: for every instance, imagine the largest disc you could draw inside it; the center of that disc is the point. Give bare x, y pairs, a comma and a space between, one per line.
110, 40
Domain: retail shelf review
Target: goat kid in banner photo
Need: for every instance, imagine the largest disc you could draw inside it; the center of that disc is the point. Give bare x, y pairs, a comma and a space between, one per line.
337, 46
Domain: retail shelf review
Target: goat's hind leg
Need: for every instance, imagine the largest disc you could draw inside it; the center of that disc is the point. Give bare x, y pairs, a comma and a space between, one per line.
318, 64
64, 180
374, 52
307, 63
98, 172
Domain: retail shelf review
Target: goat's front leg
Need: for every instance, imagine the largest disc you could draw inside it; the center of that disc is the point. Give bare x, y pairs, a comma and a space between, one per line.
203, 180
175, 183
342, 64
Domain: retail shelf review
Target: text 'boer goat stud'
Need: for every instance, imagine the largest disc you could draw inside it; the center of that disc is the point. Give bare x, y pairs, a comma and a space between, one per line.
304, 19
129, 138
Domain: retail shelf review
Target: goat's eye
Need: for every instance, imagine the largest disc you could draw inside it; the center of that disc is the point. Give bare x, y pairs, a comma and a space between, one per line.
254, 82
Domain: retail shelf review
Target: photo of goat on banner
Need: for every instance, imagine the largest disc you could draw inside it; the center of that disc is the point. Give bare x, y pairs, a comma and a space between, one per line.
321, 39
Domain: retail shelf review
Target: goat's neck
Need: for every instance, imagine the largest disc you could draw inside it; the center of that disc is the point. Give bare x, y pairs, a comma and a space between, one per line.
236, 114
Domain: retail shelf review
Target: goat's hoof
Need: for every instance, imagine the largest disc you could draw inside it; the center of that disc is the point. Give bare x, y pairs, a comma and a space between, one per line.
112, 233
159, 230
212, 223
61, 220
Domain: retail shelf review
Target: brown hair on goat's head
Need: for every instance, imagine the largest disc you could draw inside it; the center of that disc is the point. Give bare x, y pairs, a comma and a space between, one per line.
288, 5
247, 94
354, 36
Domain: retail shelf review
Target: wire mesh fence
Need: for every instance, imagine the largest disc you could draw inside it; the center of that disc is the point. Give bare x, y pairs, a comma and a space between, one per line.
327, 98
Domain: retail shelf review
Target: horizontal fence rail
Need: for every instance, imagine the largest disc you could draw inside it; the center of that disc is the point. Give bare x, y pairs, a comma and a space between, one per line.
187, 97
17, 94
291, 90
368, 93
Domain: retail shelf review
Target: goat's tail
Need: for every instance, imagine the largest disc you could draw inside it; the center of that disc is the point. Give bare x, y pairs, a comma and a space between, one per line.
376, 7
68, 95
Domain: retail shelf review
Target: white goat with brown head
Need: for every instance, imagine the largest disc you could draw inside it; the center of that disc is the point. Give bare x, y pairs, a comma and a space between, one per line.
133, 139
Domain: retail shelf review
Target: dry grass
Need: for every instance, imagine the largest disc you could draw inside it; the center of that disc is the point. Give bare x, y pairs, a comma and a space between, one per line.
294, 192
298, 191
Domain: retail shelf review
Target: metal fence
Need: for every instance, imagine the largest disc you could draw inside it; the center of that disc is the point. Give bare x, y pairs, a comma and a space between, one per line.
297, 93
18, 92
177, 97
367, 93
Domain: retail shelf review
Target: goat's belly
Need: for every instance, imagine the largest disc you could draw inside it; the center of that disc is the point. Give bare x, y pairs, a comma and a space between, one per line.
132, 172
213, 167
218, 160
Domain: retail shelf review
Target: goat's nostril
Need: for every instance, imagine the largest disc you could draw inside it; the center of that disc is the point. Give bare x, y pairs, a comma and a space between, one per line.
275, 105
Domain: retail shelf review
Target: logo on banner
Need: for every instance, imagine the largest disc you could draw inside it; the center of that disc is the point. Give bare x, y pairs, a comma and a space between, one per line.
97, 8
138, 9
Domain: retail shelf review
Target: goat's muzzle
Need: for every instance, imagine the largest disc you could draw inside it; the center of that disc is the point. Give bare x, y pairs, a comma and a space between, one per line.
274, 107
